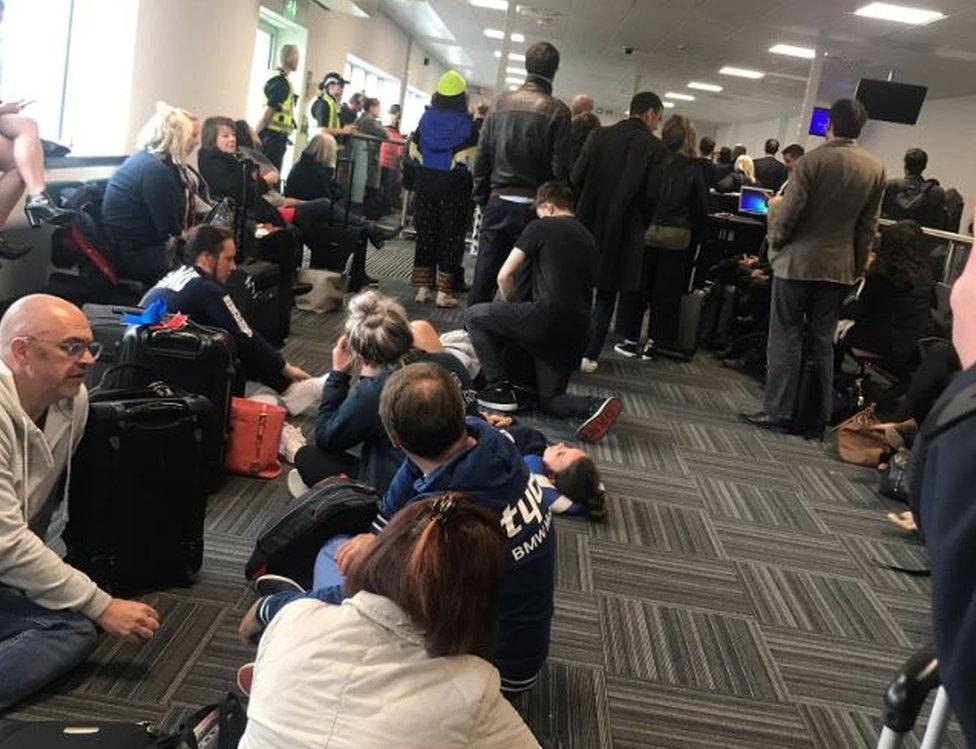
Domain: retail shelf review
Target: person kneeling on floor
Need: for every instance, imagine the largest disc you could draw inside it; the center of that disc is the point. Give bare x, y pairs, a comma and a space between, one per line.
197, 289
547, 284
48, 609
423, 412
400, 662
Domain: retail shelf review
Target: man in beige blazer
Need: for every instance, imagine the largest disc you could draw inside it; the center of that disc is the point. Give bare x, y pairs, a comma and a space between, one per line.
819, 239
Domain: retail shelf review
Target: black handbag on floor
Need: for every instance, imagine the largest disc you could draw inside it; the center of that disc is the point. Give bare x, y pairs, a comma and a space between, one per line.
137, 496
290, 542
254, 287
893, 482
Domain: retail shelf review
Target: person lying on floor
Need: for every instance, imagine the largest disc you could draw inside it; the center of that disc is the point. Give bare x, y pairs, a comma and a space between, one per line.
423, 412
403, 662
197, 289
535, 338
50, 612
569, 478
377, 339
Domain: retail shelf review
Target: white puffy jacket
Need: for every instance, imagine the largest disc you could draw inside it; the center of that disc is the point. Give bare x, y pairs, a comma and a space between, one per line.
357, 676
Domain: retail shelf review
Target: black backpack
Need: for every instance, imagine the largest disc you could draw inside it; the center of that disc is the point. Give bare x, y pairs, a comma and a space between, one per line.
85, 242
290, 542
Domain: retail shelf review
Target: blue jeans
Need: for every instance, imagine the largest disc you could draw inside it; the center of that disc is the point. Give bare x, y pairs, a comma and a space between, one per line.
327, 583
38, 645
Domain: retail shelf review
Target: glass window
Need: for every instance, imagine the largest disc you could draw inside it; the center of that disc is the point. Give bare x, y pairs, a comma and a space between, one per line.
372, 81
413, 108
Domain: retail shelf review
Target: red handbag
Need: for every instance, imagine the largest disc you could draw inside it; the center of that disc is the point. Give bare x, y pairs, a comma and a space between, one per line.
255, 435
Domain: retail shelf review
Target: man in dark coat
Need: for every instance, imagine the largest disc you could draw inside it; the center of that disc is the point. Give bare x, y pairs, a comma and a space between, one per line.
615, 177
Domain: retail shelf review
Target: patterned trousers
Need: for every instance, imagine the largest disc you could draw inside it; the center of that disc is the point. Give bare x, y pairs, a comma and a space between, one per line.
441, 223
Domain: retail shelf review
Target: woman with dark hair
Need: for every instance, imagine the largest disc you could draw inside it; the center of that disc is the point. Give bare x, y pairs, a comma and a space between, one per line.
893, 310
440, 148
402, 661
669, 245
197, 288
230, 174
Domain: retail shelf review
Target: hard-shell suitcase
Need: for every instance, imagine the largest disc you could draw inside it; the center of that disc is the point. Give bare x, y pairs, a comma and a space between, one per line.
254, 287
137, 497
108, 329
195, 358
290, 542
283, 248
685, 343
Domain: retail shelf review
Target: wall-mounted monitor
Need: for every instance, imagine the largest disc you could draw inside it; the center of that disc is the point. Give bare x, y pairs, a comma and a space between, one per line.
891, 102
819, 121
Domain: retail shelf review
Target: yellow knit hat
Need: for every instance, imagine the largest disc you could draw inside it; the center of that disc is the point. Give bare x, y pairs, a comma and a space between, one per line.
451, 84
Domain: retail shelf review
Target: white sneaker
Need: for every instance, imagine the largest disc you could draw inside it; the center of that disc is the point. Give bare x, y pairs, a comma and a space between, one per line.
296, 487
445, 300
292, 440
589, 365
301, 396
423, 295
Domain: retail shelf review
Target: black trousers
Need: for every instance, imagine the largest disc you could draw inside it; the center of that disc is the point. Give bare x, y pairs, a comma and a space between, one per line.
502, 223
664, 280
532, 346
800, 307
441, 223
145, 264
318, 220
283, 248
603, 304
274, 145
314, 464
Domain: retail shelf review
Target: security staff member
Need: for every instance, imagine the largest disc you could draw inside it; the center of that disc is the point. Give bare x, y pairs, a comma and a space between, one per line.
278, 121
327, 106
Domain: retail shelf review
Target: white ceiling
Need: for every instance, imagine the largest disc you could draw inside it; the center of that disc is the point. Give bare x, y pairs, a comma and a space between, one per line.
677, 41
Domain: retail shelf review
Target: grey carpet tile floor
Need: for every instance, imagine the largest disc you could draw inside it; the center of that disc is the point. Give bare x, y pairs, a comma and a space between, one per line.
734, 597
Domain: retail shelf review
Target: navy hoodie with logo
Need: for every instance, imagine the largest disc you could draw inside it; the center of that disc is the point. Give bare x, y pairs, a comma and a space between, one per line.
493, 474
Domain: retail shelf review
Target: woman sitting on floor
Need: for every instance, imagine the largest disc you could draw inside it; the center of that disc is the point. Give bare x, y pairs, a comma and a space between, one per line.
401, 663
377, 339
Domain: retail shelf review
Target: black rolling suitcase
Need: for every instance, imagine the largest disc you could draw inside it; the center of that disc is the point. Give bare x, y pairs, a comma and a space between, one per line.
254, 288
138, 488
108, 329
332, 248
282, 248
807, 419
685, 343
194, 358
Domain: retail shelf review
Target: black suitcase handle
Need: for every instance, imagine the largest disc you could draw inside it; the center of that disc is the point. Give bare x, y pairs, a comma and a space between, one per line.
909, 688
125, 365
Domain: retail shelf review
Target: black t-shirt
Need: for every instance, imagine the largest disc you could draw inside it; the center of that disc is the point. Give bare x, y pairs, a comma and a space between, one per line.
562, 258
276, 91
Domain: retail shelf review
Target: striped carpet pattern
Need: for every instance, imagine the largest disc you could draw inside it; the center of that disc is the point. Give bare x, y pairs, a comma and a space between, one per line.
734, 597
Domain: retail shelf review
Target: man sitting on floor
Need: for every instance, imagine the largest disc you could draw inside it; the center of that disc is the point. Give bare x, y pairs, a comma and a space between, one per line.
423, 412
48, 609
197, 289
547, 284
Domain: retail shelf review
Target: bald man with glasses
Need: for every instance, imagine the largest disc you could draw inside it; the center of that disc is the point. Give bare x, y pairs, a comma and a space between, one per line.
50, 613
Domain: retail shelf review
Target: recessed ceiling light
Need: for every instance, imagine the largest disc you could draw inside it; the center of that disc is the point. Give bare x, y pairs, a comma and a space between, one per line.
807, 53
899, 14
705, 87
754, 75
514, 80
490, 4
498, 34
679, 97
512, 56
513, 70
669, 105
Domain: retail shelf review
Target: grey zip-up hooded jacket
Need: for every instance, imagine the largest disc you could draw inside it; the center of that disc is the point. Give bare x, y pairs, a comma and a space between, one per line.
32, 514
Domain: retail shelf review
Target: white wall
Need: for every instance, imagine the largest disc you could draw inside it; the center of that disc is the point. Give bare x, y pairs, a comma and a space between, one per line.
197, 54
944, 132
753, 135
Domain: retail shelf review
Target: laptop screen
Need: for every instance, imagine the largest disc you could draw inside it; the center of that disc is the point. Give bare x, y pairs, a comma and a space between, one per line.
752, 200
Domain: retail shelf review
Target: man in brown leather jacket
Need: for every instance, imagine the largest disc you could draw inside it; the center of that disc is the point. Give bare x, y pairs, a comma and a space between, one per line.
524, 143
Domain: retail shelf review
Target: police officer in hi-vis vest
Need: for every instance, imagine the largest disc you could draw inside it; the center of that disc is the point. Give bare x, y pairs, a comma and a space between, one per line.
278, 121
326, 107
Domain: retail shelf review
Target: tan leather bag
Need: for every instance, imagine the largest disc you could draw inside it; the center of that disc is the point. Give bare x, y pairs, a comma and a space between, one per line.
865, 441
668, 237
255, 436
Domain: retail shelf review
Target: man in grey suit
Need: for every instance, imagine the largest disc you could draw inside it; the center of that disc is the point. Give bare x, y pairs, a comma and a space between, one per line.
819, 239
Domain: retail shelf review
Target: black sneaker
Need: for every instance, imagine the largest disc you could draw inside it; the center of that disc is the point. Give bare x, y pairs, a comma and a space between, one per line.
647, 353
499, 398
630, 349
600, 420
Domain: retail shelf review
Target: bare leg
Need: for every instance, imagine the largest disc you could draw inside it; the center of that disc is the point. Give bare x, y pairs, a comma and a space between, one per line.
425, 337
11, 184
27, 154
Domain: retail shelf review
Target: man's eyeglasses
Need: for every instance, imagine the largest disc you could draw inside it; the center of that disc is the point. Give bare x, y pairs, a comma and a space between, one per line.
74, 349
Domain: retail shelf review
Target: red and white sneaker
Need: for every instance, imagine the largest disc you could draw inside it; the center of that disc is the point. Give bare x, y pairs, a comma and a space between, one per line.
245, 678
598, 424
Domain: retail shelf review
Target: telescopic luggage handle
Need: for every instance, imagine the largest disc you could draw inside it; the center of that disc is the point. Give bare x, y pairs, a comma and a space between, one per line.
905, 696
125, 365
